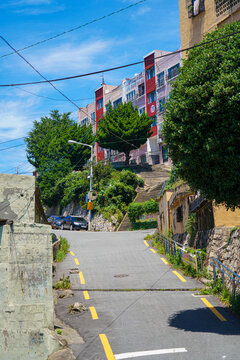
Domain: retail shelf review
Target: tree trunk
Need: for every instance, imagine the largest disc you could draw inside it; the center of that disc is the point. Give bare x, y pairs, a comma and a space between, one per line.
127, 154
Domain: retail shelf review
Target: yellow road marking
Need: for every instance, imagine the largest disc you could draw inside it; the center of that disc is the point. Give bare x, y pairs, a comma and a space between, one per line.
146, 243
212, 308
107, 347
76, 261
72, 253
165, 261
179, 276
93, 312
81, 277
154, 251
86, 295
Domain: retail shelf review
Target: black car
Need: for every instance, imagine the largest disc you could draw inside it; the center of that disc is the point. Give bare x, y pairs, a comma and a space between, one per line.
74, 223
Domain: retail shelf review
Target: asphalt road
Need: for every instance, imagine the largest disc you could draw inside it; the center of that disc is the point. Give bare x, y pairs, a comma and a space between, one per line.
139, 308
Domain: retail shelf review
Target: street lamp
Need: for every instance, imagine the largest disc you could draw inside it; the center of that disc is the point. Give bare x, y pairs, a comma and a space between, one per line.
91, 172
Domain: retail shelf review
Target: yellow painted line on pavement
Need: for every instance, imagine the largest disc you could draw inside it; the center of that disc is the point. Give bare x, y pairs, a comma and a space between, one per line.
165, 261
107, 347
86, 295
154, 251
72, 253
81, 277
76, 261
179, 276
212, 308
146, 243
93, 312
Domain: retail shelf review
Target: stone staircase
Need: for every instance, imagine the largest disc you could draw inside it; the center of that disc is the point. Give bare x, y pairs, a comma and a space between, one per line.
153, 184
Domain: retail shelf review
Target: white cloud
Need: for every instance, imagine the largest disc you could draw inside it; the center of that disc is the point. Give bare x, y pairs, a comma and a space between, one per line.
68, 58
16, 117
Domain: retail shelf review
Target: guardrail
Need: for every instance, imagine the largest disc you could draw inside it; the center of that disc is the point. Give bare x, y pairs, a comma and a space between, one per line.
224, 270
171, 247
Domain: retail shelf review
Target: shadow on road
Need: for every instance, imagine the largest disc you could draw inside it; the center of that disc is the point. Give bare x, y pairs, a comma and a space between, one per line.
203, 320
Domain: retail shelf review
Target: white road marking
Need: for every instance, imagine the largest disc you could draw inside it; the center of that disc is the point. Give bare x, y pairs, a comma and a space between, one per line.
149, 353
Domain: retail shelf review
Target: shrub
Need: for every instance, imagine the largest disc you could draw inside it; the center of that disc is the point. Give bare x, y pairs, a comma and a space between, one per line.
63, 251
140, 182
150, 206
63, 283
143, 225
135, 210
129, 178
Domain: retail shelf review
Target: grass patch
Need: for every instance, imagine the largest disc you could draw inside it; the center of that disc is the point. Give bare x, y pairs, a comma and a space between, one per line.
63, 283
63, 251
59, 331
151, 237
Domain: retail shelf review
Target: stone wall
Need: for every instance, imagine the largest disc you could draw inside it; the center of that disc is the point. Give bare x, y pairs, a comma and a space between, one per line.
26, 300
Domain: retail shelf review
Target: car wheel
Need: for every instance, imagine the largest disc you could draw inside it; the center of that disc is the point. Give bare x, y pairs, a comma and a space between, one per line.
71, 227
62, 228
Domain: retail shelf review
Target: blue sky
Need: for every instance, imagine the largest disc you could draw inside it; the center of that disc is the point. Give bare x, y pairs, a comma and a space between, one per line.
120, 39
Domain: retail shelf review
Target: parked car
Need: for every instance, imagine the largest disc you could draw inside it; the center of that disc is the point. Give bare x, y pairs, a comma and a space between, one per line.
74, 223
55, 221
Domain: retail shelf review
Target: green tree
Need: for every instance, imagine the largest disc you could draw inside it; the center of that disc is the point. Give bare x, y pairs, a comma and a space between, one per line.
202, 121
48, 141
48, 150
124, 122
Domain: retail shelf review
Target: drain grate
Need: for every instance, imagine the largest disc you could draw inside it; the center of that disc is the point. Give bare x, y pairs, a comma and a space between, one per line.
121, 276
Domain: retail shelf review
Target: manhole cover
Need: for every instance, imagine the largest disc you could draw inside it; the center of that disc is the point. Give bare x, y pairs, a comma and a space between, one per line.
74, 271
120, 276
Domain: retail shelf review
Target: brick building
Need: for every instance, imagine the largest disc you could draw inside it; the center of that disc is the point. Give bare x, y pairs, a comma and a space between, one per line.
148, 91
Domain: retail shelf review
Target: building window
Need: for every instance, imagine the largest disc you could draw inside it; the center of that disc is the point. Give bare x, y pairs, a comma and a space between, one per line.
151, 97
160, 79
100, 103
162, 104
173, 71
142, 110
223, 6
179, 214
92, 116
107, 106
196, 6
150, 72
84, 122
154, 120
131, 95
117, 102
141, 89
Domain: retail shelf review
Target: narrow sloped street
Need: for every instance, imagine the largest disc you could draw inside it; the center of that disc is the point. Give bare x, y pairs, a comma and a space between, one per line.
138, 307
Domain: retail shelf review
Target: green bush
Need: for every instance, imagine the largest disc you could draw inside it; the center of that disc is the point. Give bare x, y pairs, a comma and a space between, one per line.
63, 251
143, 225
150, 206
191, 226
129, 178
135, 210
140, 182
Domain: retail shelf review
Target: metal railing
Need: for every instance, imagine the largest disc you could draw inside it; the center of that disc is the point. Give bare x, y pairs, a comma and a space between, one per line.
172, 247
224, 271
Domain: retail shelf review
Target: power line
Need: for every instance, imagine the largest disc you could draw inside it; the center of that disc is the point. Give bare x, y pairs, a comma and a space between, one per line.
46, 80
11, 147
49, 98
122, 66
75, 28
4, 142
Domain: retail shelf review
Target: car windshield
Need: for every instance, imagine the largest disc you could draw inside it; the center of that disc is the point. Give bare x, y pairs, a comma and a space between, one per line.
78, 219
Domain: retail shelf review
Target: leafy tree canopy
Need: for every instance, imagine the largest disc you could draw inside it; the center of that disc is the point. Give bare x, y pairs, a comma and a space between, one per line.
48, 141
48, 150
125, 122
202, 121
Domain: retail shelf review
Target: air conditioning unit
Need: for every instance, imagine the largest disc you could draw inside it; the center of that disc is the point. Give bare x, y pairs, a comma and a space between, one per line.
160, 139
